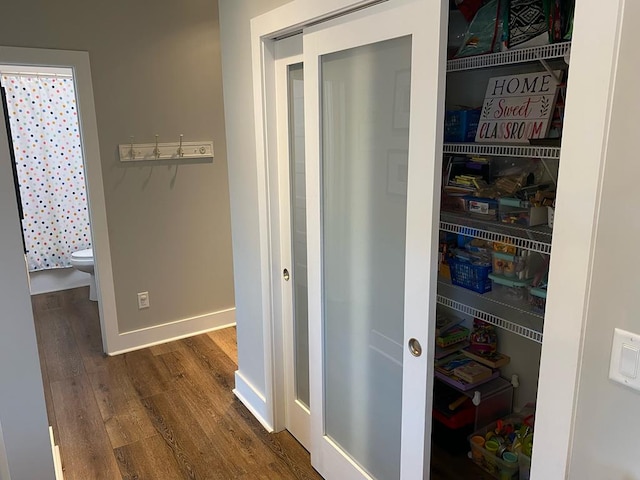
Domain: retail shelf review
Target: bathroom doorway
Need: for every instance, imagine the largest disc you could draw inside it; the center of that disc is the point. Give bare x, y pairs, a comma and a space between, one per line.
48, 165
77, 63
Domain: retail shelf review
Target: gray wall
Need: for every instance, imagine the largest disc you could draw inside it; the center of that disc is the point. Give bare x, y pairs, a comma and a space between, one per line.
156, 70
235, 34
23, 416
607, 420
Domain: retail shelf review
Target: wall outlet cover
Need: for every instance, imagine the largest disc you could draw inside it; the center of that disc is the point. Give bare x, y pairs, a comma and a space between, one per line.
143, 300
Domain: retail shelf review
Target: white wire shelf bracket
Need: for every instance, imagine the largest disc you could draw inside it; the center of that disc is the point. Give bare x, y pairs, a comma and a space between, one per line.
495, 150
510, 57
490, 308
528, 239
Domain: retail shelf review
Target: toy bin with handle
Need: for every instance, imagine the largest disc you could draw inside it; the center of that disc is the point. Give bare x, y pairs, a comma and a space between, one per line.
490, 454
469, 275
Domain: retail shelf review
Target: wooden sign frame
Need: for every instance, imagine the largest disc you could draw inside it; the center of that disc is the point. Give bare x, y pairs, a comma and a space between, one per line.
517, 108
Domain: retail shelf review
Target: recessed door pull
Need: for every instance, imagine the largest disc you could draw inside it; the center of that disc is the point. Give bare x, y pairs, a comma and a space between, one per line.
415, 348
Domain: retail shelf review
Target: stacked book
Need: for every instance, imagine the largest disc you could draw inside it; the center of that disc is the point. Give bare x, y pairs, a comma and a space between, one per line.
456, 362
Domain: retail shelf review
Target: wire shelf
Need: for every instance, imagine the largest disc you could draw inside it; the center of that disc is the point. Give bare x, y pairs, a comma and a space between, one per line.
492, 308
493, 150
536, 239
509, 57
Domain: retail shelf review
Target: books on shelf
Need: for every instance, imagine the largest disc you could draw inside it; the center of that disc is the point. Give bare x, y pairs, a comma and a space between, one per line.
445, 323
448, 369
473, 372
445, 352
492, 360
454, 335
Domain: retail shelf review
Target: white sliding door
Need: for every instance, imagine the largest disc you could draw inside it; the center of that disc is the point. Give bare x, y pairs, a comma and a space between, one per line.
373, 153
293, 234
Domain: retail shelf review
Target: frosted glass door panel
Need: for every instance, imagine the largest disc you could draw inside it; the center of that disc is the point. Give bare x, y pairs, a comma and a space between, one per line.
299, 231
365, 121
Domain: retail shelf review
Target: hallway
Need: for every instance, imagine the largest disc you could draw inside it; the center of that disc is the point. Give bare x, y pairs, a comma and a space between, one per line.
165, 412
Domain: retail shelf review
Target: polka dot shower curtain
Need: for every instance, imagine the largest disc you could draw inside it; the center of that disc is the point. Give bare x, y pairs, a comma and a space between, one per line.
46, 139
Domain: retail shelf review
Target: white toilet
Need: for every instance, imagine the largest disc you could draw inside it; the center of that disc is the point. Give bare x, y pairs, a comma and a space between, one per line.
83, 260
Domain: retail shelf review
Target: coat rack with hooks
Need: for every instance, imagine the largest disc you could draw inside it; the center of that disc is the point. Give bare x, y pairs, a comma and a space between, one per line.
180, 150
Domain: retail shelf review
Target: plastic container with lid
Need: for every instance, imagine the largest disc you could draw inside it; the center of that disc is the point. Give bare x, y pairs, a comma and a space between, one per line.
491, 459
510, 287
538, 299
516, 211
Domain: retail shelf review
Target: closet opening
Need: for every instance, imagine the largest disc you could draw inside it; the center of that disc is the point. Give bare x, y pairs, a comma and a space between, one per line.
506, 83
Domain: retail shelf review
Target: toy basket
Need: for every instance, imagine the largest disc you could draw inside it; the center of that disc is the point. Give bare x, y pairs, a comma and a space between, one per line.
467, 275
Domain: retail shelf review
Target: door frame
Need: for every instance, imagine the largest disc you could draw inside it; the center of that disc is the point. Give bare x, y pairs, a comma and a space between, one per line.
297, 415
583, 157
79, 62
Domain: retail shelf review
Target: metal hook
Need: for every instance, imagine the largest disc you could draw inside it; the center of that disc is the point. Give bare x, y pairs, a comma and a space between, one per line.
180, 151
157, 150
132, 152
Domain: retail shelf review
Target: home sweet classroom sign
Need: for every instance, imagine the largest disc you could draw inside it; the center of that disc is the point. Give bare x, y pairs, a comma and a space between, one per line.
517, 108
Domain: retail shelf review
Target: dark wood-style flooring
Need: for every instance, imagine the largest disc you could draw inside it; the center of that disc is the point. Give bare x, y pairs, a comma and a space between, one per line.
165, 412
161, 413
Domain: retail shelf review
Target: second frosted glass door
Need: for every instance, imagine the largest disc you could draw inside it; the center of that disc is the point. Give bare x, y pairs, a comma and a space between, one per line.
364, 223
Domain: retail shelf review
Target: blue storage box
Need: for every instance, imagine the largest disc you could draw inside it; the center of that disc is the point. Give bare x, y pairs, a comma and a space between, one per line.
468, 275
461, 125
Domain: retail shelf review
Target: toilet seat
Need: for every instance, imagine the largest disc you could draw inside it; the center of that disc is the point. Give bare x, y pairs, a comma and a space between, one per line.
82, 257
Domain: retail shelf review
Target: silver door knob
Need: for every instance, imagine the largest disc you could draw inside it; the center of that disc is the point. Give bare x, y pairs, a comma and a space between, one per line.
285, 275
415, 348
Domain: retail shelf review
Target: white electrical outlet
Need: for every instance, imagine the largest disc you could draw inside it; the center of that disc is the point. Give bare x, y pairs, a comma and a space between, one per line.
143, 300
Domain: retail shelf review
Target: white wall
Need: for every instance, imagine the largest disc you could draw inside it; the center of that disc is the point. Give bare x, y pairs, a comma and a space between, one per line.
235, 16
607, 421
22, 409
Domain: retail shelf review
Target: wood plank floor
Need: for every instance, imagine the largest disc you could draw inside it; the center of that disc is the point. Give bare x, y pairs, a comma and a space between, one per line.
162, 413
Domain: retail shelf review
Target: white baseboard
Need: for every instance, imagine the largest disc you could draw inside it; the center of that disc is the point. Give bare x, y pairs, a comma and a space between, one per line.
57, 460
57, 279
255, 402
168, 332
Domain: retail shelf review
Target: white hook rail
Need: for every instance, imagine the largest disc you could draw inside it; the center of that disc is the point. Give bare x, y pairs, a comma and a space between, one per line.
181, 150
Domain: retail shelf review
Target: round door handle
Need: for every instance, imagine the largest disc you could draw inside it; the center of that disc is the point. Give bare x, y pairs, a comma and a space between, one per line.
415, 348
285, 275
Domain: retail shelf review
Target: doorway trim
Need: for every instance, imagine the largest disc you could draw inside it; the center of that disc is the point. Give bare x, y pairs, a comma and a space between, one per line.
78, 62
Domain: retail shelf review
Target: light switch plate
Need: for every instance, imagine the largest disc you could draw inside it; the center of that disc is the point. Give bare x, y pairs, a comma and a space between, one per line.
625, 359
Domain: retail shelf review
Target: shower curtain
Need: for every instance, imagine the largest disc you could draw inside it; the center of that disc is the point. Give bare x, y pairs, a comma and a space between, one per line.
48, 153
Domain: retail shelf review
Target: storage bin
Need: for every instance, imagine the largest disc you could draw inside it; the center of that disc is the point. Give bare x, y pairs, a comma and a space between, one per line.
487, 459
451, 429
461, 125
538, 299
504, 264
515, 211
512, 288
466, 274
484, 208
524, 462
453, 203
